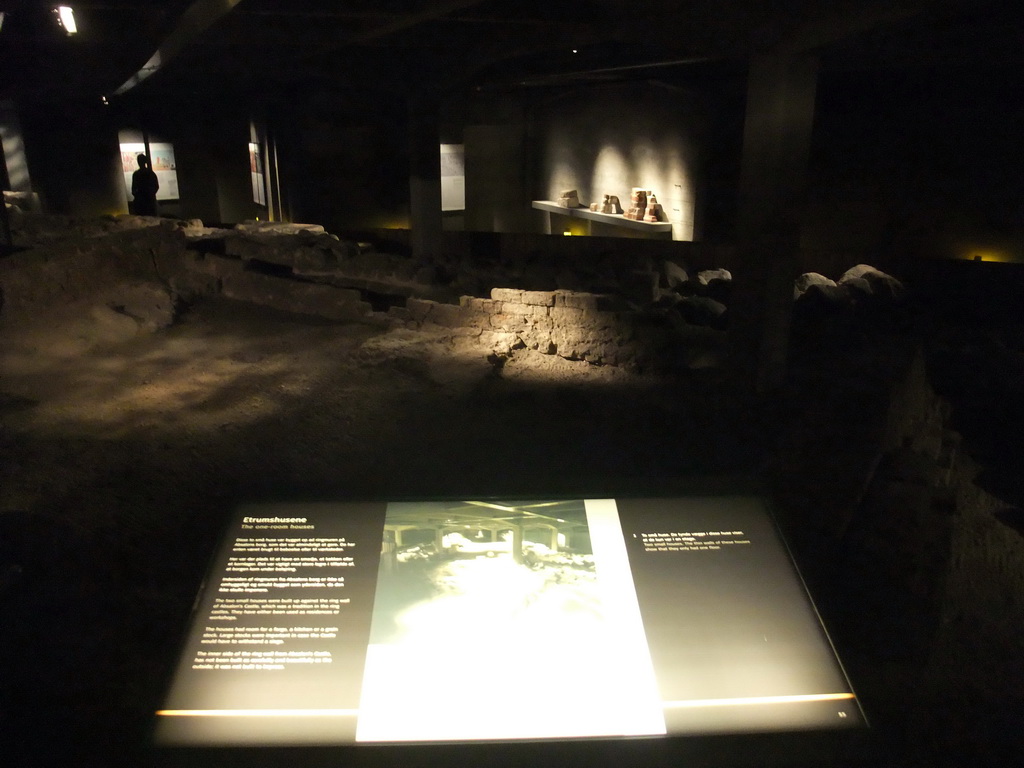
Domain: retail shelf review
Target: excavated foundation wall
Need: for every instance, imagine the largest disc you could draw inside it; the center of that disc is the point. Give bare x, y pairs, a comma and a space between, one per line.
570, 324
146, 270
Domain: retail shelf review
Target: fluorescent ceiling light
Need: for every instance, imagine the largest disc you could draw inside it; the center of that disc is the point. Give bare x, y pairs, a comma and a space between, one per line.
67, 18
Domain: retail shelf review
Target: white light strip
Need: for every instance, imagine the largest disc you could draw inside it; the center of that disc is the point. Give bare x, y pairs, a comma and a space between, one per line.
258, 712
695, 703
67, 18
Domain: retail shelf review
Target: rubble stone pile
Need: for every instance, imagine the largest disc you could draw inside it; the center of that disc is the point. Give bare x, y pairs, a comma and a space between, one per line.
860, 288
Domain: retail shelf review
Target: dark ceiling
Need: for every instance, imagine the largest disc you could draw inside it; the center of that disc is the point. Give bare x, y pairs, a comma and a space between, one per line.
207, 48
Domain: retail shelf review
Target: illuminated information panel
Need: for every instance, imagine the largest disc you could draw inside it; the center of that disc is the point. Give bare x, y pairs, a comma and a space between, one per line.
482, 620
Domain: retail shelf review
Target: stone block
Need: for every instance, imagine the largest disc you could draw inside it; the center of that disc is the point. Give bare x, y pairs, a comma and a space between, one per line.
576, 300
806, 280
566, 315
507, 294
538, 298
447, 315
856, 272
707, 276
514, 309
278, 228
419, 308
537, 311
299, 253
504, 322
675, 275
483, 306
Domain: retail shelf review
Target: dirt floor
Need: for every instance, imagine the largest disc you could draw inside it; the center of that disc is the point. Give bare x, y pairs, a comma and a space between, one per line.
122, 457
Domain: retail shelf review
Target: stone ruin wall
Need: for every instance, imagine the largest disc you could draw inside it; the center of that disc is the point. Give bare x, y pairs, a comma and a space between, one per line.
622, 311
149, 270
571, 324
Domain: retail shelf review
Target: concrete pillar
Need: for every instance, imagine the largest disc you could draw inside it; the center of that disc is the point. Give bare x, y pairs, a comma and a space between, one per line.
439, 539
776, 145
517, 543
388, 553
497, 199
5, 223
554, 539
424, 177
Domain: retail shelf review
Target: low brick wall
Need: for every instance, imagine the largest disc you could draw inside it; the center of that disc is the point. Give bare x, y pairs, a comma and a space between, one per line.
573, 325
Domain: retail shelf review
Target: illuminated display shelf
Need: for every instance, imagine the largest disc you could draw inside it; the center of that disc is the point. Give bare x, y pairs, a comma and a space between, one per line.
616, 219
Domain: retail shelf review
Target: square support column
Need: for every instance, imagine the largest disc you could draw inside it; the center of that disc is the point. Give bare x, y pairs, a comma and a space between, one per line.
424, 177
776, 145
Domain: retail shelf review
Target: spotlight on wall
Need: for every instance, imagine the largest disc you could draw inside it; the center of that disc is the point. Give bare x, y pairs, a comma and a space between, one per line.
66, 18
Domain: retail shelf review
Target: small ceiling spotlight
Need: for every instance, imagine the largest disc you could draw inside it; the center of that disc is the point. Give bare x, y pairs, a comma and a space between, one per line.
575, 50
66, 18
104, 100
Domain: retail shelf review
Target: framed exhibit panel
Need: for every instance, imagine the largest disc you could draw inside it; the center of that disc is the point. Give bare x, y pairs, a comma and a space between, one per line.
162, 162
259, 192
367, 626
453, 177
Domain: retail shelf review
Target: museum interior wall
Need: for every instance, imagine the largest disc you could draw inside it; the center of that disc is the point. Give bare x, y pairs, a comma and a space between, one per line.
610, 139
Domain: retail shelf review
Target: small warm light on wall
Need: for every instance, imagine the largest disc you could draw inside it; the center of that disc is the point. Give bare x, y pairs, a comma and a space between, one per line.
989, 255
567, 233
66, 18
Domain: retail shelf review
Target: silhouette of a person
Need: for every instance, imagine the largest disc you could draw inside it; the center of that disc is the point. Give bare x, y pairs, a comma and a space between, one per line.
144, 188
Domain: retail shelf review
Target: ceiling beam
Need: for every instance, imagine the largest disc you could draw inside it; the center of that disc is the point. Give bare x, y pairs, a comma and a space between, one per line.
201, 15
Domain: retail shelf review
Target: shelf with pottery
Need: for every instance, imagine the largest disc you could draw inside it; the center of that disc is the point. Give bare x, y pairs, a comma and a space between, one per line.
616, 219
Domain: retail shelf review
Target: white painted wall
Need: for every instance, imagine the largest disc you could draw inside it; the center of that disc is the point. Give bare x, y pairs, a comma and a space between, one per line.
609, 139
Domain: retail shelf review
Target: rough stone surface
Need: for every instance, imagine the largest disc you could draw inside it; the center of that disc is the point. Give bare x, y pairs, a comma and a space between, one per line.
703, 310
279, 228
65, 269
822, 296
292, 296
858, 288
806, 280
571, 325
706, 276
675, 275
854, 272
153, 307
884, 286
